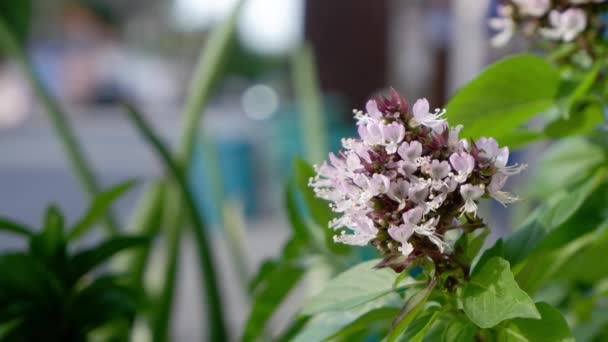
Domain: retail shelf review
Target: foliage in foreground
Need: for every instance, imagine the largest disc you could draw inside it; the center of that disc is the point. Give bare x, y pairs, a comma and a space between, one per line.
55, 291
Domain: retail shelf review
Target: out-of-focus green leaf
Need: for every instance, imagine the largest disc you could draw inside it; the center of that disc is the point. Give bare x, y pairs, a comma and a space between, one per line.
269, 295
385, 314
100, 205
409, 312
268, 287
11, 226
419, 327
23, 276
492, 296
551, 327
520, 137
85, 261
459, 330
105, 299
357, 285
504, 96
15, 15
573, 200
342, 325
49, 245
577, 268
566, 217
318, 208
582, 88
565, 164
581, 122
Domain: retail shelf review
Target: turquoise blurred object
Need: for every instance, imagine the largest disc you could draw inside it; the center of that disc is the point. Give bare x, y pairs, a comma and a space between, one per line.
236, 177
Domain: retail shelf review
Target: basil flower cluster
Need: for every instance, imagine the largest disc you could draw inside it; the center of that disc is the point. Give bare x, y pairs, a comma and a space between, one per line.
408, 178
556, 20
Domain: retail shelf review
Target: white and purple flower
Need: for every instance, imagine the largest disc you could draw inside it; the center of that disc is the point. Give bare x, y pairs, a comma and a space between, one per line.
408, 178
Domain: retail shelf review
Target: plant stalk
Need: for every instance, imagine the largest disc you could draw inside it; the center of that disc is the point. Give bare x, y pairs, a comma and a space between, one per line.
59, 121
217, 328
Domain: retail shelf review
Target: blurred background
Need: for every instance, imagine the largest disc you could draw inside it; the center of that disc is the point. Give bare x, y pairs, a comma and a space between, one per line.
95, 54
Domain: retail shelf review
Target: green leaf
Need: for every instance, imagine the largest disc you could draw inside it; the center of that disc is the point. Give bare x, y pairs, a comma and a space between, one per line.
459, 330
85, 261
573, 200
583, 87
469, 245
49, 245
10, 226
588, 118
358, 285
100, 205
564, 164
16, 15
504, 96
587, 218
268, 297
576, 266
23, 276
318, 208
568, 216
106, 299
493, 296
340, 325
409, 312
418, 329
551, 327
520, 137
385, 314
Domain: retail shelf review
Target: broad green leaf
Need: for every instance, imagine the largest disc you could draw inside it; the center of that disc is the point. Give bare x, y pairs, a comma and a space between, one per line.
504, 96
577, 267
585, 120
23, 276
98, 208
336, 325
385, 314
358, 285
409, 312
564, 164
573, 200
318, 208
469, 245
11, 226
551, 327
568, 216
588, 217
540, 268
459, 330
520, 137
15, 15
106, 299
417, 330
86, 260
497, 250
293, 330
268, 297
492, 296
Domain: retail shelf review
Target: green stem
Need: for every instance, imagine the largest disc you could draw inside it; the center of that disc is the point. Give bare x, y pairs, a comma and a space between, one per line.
208, 69
306, 88
150, 226
162, 318
217, 327
58, 119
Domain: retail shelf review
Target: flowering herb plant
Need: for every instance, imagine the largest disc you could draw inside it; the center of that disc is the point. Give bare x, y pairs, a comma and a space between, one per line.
408, 180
